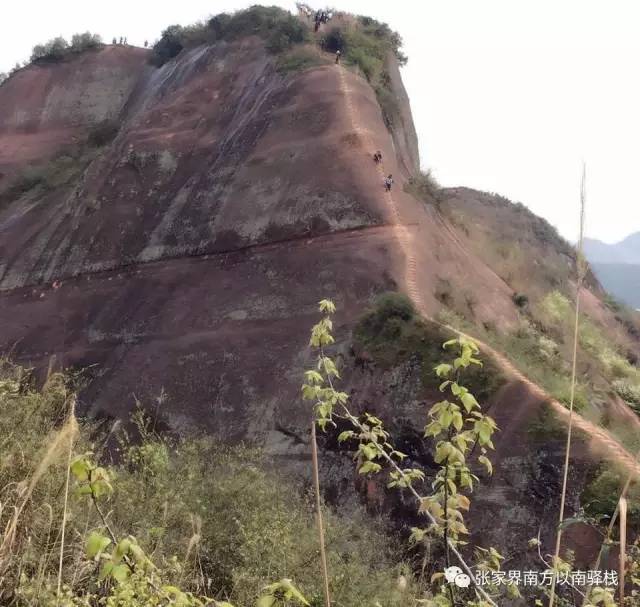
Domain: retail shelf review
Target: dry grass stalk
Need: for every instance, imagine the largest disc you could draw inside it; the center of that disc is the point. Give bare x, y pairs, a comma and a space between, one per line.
316, 484
581, 270
57, 446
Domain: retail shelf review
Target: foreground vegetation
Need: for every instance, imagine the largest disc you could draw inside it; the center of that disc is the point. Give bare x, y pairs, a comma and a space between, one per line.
102, 516
188, 518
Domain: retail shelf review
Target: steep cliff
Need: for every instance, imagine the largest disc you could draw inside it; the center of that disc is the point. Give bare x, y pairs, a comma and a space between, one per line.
232, 198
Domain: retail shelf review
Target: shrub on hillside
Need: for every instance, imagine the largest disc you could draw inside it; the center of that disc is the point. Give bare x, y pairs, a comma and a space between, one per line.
103, 133
628, 392
45, 177
423, 186
53, 50
393, 304
277, 27
298, 59
58, 48
85, 41
219, 521
520, 299
600, 497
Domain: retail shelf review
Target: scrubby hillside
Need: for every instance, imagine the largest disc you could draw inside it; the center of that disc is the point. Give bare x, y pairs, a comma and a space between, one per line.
170, 218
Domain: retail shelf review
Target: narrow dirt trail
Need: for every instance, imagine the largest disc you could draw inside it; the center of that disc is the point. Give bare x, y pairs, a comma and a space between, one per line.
169, 261
611, 448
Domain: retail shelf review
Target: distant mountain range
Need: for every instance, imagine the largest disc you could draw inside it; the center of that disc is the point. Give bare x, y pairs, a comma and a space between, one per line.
617, 266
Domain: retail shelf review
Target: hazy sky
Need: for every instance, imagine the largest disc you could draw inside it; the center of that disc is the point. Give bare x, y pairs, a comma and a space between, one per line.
508, 96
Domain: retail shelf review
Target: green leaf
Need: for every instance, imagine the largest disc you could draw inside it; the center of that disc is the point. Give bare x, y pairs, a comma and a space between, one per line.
469, 401
121, 550
432, 429
483, 459
369, 451
313, 377
346, 435
291, 592
444, 385
369, 468
96, 543
105, 571
443, 370
80, 469
457, 420
101, 487
326, 305
120, 572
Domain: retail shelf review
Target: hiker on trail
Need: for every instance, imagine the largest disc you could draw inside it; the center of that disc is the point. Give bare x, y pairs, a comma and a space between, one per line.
377, 157
388, 182
125, 42
317, 21
121, 39
338, 53
146, 43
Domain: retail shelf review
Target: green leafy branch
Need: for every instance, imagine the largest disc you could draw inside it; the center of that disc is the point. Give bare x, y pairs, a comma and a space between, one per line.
443, 509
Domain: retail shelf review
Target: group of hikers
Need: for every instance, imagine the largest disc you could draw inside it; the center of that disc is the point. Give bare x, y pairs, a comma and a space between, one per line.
320, 18
123, 42
388, 180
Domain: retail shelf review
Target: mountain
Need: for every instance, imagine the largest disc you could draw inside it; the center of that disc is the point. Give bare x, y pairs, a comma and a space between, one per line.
622, 280
625, 251
170, 219
617, 266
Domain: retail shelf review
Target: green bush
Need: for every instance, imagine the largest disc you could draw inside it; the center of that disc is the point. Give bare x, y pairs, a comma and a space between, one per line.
387, 306
85, 41
600, 497
520, 299
58, 48
47, 176
628, 392
334, 40
217, 520
170, 45
103, 133
277, 27
297, 60
391, 333
423, 186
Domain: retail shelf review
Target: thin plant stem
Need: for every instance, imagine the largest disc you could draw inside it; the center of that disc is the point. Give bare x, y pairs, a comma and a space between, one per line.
576, 332
66, 502
622, 506
316, 484
612, 524
355, 422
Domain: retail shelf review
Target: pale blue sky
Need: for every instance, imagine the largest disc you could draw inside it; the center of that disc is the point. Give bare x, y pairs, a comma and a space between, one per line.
508, 95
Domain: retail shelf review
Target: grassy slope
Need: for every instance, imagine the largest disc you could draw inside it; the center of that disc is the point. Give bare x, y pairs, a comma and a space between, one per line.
215, 521
539, 265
